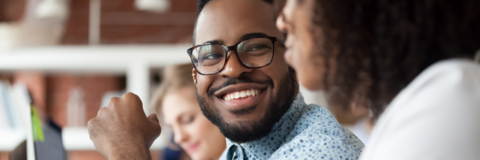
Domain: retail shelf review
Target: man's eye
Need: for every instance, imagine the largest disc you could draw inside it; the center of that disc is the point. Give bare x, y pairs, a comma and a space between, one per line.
210, 59
212, 56
258, 47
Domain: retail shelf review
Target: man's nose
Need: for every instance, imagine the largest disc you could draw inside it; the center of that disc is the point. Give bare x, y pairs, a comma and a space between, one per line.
233, 67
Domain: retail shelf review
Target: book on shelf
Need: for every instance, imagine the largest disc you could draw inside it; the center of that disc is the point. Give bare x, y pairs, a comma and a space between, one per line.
10, 108
4, 121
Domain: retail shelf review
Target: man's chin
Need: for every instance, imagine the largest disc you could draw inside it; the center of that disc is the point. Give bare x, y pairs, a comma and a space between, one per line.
244, 131
243, 113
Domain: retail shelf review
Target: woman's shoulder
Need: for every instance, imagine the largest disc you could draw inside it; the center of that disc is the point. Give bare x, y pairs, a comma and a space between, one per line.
450, 81
465, 68
434, 117
446, 87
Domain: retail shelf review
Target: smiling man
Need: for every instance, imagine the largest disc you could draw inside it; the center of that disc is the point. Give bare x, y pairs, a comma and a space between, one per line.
246, 88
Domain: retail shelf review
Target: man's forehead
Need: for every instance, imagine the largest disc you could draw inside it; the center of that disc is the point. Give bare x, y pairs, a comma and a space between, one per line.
228, 20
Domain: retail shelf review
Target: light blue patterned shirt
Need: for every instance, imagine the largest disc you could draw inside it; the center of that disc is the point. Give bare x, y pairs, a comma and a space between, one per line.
305, 132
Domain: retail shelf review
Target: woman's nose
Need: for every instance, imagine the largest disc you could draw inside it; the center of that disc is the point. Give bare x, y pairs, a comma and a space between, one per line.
180, 136
281, 25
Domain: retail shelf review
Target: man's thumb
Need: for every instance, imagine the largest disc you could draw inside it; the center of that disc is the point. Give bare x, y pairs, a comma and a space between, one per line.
153, 118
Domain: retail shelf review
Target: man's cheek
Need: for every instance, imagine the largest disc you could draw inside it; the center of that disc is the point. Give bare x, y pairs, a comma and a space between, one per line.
201, 86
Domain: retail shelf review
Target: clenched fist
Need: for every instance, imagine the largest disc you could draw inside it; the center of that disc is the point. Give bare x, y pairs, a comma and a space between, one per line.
122, 130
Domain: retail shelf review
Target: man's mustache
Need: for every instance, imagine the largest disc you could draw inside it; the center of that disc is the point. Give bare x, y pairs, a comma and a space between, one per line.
241, 79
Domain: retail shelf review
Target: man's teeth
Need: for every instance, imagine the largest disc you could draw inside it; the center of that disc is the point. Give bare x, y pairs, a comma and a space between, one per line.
241, 94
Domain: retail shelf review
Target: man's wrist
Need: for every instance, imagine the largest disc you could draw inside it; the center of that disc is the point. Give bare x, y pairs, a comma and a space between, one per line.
129, 152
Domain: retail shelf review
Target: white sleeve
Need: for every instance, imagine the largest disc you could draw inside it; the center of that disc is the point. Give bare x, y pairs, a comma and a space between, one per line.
436, 117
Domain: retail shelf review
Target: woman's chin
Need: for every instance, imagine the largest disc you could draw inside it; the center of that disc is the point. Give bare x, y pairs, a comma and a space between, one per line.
199, 157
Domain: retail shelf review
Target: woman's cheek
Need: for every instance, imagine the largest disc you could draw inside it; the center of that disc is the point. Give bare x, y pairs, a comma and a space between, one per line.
200, 134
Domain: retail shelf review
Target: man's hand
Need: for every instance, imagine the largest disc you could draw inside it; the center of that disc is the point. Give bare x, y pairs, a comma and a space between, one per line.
122, 130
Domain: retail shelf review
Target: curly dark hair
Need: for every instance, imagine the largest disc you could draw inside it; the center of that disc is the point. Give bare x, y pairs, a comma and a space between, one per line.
379, 46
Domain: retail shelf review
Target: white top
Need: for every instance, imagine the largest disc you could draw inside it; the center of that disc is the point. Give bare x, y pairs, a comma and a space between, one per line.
436, 117
360, 129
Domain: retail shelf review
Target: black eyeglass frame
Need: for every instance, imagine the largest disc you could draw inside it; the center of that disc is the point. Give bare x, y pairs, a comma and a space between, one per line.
234, 49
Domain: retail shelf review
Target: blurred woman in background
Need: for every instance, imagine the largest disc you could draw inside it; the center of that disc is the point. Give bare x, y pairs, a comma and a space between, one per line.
176, 102
410, 62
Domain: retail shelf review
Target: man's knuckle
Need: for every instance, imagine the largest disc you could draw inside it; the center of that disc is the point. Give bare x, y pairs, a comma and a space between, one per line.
90, 123
102, 111
113, 101
132, 100
131, 96
91, 126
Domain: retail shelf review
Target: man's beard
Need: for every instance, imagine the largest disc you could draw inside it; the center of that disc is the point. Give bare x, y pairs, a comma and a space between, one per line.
249, 131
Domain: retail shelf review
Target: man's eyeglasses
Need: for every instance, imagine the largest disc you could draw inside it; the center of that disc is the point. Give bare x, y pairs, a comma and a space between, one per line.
253, 53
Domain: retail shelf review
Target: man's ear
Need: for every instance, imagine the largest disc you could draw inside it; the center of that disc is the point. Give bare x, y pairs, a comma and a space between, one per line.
194, 75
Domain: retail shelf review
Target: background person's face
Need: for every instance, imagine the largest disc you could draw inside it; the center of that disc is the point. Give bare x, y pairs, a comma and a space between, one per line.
192, 131
251, 117
302, 46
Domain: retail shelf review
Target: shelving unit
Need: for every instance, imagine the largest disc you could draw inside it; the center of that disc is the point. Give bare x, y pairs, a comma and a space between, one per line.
135, 61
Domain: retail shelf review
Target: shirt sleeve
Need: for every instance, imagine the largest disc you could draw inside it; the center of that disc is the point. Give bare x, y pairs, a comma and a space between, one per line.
436, 117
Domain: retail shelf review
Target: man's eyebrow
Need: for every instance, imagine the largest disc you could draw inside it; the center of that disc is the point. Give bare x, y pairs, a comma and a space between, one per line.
253, 35
213, 42
244, 37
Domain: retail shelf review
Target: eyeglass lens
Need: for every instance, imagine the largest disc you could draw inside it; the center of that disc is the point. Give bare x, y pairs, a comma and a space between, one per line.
256, 52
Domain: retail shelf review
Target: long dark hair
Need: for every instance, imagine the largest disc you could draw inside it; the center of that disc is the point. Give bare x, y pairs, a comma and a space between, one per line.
382, 45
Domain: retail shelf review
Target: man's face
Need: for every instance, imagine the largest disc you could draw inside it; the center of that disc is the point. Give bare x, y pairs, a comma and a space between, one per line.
303, 46
252, 117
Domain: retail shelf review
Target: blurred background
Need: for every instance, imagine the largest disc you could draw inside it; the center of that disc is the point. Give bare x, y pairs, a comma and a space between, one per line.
72, 56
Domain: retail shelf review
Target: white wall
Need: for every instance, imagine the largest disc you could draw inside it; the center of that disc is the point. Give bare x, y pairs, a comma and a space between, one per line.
314, 97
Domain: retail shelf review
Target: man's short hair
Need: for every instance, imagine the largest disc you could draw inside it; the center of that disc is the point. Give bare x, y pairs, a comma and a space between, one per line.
201, 4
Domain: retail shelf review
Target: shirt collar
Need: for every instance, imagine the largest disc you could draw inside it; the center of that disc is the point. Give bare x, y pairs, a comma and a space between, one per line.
266, 146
